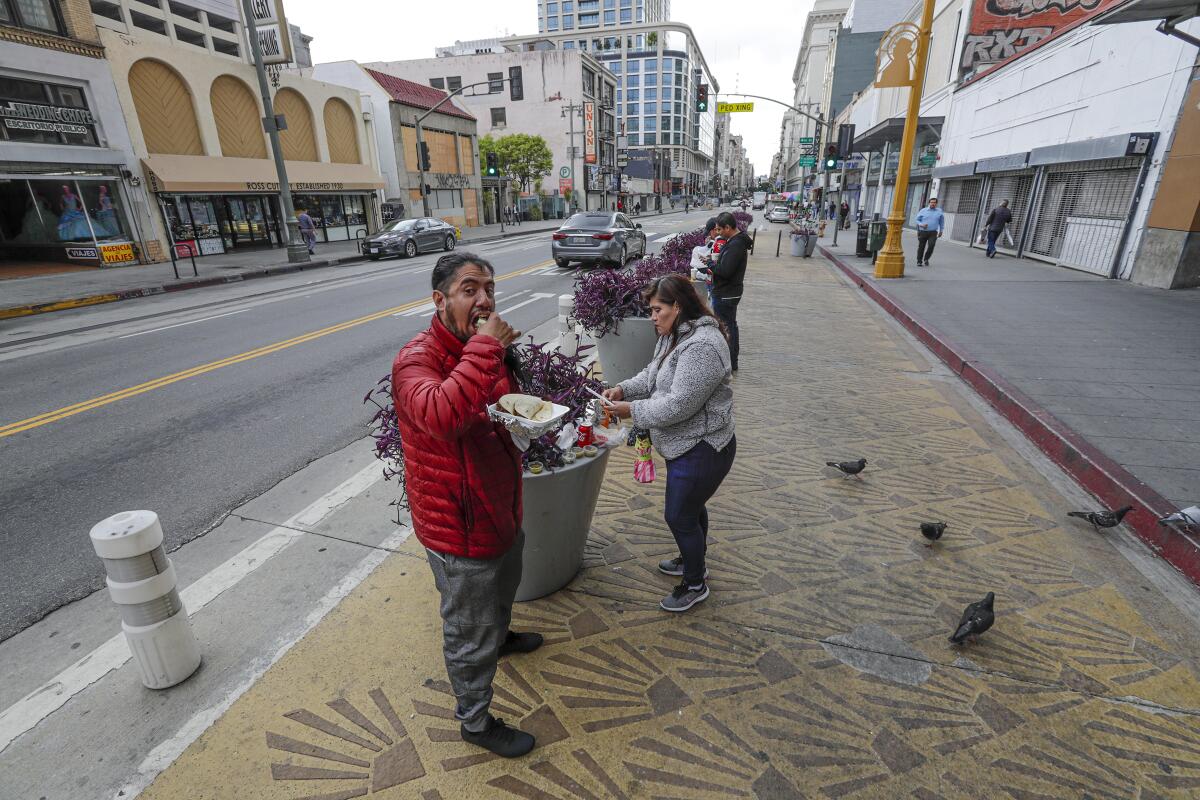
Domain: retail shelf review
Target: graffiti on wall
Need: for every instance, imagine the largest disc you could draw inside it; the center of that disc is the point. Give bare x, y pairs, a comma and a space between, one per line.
1001, 30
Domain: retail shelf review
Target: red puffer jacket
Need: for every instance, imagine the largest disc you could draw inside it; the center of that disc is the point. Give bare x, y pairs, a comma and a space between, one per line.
462, 471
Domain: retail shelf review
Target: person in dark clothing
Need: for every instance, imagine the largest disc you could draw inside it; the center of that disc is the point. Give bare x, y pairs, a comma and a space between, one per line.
729, 273
996, 222
844, 213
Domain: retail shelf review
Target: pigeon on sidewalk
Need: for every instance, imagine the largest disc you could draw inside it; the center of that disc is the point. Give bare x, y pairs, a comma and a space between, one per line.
1103, 518
976, 619
848, 468
932, 531
1189, 516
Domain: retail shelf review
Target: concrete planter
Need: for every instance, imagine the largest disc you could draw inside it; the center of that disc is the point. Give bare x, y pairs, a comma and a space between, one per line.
626, 351
558, 516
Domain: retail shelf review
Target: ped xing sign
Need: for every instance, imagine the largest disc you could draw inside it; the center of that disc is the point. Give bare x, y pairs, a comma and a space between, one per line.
734, 108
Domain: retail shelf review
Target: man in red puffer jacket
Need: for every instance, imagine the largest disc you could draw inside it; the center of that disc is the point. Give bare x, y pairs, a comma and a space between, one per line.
463, 476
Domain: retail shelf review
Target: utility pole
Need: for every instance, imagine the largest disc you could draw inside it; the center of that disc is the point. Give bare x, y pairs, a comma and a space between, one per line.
577, 177
297, 249
890, 263
837, 218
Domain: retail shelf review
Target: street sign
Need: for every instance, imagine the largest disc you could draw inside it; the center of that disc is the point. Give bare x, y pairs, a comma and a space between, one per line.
565, 185
808, 161
807, 140
565, 172
734, 108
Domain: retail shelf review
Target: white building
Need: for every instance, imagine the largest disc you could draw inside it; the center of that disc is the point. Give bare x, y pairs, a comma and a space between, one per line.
579, 15
542, 93
809, 79
660, 70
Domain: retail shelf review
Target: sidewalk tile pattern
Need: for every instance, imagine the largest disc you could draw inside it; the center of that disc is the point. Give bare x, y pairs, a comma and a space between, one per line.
819, 667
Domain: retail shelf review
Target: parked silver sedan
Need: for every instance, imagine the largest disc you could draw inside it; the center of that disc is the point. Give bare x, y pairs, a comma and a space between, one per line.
597, 237
778, 214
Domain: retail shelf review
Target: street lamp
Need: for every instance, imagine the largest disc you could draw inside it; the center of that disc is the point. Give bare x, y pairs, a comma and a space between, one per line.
890, 262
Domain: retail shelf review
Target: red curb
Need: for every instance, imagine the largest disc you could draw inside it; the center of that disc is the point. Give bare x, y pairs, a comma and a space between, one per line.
1108, 481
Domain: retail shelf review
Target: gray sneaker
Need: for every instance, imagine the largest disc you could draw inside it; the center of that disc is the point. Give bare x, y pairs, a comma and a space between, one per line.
674, 566
682, 598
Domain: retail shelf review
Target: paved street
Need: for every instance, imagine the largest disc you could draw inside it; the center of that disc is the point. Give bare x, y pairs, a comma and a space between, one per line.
819, 667
191, 404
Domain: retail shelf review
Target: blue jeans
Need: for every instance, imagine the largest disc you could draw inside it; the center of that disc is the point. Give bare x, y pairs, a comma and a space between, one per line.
726, 311
692, 479
992, 236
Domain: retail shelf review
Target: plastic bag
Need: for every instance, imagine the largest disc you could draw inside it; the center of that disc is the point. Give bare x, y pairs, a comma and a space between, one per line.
643, 464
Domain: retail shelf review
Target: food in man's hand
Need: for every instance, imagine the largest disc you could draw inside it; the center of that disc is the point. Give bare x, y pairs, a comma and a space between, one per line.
527, 406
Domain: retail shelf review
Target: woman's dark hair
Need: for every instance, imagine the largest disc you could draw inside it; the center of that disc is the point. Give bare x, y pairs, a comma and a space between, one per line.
680, 292
448, 266
708, 226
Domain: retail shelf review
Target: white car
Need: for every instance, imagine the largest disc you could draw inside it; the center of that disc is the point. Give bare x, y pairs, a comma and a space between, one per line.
778, 214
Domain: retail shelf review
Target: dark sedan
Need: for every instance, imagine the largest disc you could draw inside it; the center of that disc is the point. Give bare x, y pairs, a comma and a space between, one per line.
407, 237
597, 237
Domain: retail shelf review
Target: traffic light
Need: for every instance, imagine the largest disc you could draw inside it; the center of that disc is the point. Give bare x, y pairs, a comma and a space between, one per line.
493, 165
831, 156
423, 155
702, 97
845, 143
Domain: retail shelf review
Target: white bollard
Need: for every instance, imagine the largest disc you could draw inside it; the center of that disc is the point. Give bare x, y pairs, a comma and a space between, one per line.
141, 581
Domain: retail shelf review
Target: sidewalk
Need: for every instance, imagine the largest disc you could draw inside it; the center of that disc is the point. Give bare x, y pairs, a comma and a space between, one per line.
819, 668
45, 293
1100, 373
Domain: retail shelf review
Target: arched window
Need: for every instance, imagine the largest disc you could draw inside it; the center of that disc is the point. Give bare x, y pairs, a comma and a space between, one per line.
165, 110
341, 132
238, 119
299, 141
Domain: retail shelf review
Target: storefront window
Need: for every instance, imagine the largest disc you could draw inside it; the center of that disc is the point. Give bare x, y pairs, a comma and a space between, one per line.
334, 219
356, 215
46, 113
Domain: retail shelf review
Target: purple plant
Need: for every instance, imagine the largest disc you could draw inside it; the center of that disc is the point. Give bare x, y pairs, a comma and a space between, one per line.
545, 372
743, 219
605, 297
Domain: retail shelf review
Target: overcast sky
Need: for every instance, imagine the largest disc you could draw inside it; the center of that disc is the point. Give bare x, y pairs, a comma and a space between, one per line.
750, 45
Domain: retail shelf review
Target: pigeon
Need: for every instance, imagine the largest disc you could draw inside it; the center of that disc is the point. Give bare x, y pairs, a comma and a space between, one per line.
848, 468
1189, 516
932, 531
976, 619
1104, 518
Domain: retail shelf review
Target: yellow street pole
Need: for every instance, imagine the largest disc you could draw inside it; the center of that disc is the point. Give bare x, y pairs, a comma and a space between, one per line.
890, 262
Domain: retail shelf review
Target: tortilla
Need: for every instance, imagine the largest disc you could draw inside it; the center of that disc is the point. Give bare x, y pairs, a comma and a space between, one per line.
527, 406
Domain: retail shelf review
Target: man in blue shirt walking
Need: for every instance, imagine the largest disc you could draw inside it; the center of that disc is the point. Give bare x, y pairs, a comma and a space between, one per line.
931, 223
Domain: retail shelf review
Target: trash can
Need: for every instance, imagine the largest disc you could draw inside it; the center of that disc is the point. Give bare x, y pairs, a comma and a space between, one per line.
810, 244
861, 241
878, 235
798, 242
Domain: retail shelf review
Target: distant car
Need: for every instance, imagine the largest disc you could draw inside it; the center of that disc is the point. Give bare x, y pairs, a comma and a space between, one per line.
408, 237
597, 237
778, 214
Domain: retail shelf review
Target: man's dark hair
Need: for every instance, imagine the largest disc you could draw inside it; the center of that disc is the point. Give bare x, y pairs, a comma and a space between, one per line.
712, 223
726, 220
448, 266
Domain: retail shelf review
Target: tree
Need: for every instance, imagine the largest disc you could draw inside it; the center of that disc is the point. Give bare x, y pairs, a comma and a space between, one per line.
524, 158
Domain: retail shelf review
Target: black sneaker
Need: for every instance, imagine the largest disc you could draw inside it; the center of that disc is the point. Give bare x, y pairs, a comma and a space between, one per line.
520, 643
684, 597
674, 566
504, 741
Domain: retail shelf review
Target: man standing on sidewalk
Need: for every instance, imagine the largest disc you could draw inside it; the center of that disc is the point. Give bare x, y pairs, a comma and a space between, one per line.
308, 230
931, 223
996, 222
729, 273
462, 473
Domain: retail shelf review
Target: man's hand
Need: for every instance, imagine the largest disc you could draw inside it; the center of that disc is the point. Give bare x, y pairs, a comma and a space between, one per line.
499, 330
615, 393
621, 410
940, 234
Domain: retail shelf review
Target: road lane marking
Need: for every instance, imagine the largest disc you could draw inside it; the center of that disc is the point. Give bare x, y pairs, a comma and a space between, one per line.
158, 383
181, 324
26, 713
536, 296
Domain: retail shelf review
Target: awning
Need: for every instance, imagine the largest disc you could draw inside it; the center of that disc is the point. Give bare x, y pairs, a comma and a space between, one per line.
1142, 10
892, 130
211, 175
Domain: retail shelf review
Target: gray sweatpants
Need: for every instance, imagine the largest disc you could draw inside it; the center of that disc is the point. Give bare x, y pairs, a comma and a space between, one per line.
477, 597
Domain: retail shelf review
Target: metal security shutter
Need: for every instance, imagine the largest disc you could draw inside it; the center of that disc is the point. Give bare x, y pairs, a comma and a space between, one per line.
1082, 212
1017, 188
961, 198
